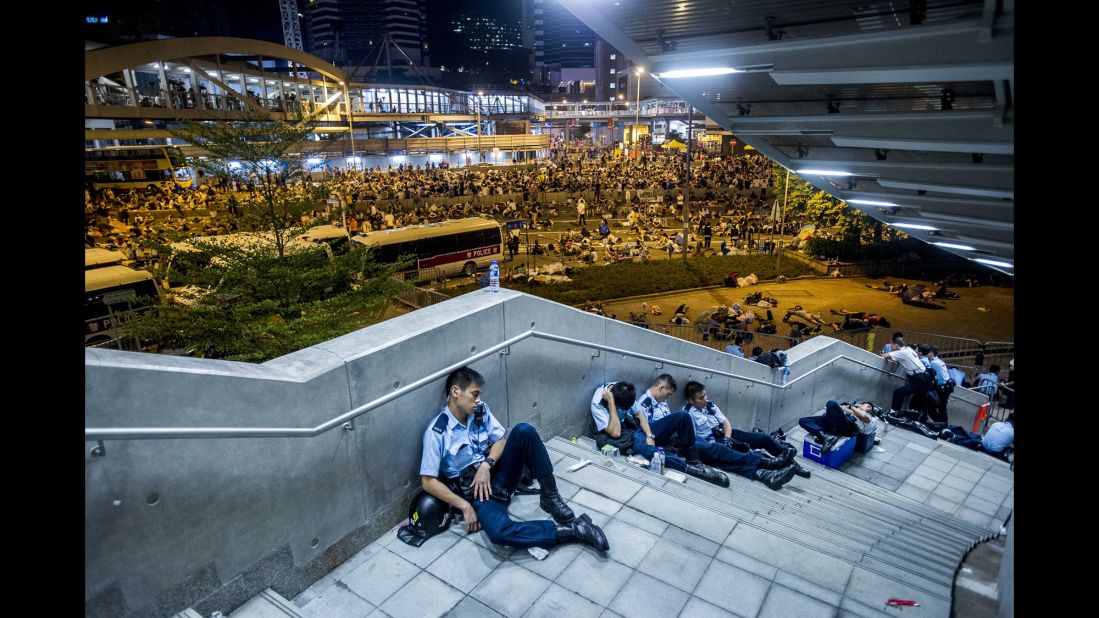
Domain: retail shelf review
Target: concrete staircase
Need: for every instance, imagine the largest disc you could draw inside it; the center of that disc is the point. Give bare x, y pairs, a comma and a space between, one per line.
849, 524
831, 545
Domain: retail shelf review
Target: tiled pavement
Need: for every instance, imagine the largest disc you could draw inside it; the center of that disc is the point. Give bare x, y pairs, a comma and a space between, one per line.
973, 486
676, 552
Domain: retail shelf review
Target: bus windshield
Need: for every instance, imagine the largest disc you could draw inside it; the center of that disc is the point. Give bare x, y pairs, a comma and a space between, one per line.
136, 167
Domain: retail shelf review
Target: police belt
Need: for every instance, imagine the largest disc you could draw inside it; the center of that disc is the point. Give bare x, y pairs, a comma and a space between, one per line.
463, 484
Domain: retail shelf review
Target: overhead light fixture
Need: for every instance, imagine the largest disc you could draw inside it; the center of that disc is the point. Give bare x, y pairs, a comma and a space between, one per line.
705, 72
870, 202
914, 226
950, 245
994, 262
824, 173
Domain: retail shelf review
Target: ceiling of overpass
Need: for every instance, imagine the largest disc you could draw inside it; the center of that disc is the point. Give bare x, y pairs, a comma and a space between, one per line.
911, 99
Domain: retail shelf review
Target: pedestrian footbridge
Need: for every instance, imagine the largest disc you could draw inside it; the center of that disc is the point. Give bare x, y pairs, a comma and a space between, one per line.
275, 489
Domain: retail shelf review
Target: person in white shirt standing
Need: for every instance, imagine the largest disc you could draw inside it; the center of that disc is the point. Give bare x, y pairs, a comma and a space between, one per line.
915, 372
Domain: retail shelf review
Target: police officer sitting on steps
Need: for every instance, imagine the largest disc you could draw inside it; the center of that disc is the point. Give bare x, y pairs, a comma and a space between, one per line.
732, 449
468, 464
648, 423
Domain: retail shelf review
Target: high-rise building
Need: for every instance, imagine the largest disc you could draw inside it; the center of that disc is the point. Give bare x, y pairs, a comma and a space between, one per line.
343, 32
561, 42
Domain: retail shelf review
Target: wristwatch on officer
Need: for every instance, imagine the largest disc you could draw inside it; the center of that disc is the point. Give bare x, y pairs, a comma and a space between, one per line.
491, 462
651, 436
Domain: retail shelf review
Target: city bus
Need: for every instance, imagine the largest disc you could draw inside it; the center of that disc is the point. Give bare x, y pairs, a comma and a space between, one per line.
112, 293
96, 258
452, 246
136, 167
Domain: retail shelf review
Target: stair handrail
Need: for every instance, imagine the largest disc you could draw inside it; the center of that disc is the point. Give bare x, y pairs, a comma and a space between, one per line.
175, 433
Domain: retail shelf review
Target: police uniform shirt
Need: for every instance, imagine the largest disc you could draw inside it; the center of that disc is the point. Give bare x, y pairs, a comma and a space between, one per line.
601, 413
705, 419
941, 372
450, 446
650, 407
908, 359
926, 363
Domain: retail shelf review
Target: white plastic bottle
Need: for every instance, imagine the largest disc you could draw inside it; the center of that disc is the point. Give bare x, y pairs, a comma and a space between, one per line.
494, 277
785, 374
657, 462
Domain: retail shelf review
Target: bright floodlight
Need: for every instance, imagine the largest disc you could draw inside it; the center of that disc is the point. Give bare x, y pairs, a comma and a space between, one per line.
870, 203
950, 245
706, 72
914, 226
824, 173
994, 263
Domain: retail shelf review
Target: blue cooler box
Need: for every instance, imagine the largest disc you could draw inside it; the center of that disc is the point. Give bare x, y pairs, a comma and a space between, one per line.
832, 459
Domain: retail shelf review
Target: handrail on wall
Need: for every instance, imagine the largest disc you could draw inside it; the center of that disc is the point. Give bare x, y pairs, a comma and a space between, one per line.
174, 433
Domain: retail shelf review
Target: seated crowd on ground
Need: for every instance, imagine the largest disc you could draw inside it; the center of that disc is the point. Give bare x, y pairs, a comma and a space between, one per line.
134, 222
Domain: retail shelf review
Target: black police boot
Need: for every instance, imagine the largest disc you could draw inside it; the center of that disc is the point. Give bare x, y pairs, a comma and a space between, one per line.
691, 455
582, 530
772, 463
827, 442
552, 503
709, 474
791, 451
775, 478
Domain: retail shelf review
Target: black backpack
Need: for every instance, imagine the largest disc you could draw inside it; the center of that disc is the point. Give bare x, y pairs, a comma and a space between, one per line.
774, 358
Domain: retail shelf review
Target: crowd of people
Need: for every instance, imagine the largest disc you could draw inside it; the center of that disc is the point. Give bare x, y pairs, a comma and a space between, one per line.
548, 194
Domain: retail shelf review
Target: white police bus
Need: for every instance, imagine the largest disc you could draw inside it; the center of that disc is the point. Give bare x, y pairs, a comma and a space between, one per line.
452, 246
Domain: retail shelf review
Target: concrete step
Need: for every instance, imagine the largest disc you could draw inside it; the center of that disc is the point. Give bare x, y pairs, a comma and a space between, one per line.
832, 513
267, 604
188, 613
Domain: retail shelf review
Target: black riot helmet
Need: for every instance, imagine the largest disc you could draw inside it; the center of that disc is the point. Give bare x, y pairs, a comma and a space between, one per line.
427, 516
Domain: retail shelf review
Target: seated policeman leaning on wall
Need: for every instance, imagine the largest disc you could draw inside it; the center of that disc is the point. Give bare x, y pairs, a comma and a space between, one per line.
733, 450
469, 466
641, 427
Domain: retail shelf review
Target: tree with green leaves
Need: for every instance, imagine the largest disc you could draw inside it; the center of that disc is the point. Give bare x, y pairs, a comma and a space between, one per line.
266, 156
245, 301
806, 203
254, 297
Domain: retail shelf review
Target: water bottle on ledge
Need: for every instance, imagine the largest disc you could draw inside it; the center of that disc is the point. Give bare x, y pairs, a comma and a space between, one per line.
494, 277
785, 375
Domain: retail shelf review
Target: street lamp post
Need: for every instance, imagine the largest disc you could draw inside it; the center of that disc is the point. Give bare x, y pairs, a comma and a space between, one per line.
350, 124
637, 110
687, 197
480, 152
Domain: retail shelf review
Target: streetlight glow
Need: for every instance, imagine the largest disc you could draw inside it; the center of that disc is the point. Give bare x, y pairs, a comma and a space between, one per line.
704, 72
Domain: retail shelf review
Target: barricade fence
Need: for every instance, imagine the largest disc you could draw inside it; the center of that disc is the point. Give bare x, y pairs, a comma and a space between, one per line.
418, 298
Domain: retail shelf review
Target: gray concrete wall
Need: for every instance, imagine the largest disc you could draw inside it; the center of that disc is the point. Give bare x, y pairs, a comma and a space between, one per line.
211, 522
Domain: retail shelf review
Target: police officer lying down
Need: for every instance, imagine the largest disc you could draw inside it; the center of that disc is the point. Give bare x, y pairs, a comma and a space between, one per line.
468, 464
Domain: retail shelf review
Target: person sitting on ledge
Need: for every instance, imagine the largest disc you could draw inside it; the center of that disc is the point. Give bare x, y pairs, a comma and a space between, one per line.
468, 464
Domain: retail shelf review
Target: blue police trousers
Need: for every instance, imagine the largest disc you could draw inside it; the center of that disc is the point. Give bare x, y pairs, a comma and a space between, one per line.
677, 423
727, 459
524, 448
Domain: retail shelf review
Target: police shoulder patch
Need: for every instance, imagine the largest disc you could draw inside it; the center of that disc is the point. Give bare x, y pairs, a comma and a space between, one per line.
440, 424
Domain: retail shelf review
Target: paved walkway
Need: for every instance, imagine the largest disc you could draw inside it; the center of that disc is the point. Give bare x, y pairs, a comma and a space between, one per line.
677, 552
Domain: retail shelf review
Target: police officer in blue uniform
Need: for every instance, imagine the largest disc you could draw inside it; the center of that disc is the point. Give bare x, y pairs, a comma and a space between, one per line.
733, 450
647, 424
468, 464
